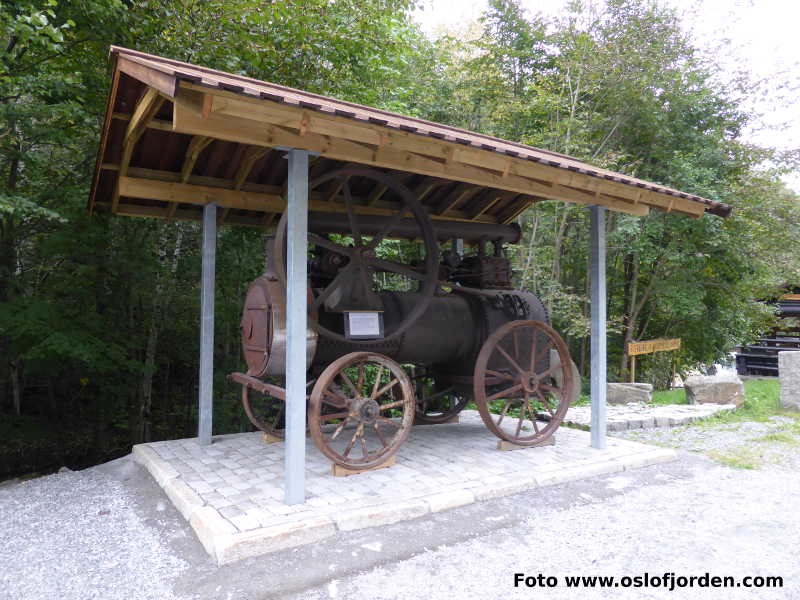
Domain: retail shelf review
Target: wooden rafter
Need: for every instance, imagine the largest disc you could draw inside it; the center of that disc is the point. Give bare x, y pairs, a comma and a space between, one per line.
145, 110
197, 144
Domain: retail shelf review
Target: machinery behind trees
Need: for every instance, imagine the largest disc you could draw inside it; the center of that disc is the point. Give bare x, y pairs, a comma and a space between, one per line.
403, 333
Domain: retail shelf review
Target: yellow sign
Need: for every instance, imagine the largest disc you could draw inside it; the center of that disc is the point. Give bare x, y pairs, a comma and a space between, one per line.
651, 346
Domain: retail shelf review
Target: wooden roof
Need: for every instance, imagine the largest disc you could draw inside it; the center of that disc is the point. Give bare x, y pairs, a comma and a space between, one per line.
177, 136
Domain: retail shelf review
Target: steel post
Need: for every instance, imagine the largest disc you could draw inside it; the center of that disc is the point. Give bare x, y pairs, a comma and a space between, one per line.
597, 252
206, 411
296, 311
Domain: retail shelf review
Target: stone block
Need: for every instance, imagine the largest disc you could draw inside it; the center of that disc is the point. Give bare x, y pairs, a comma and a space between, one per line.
270, 539
789, 373
714, 389
448, 500
624, 393
182, 496
380, 514
210, 527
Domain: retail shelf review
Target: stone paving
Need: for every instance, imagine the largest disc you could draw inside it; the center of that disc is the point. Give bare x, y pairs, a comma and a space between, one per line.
637, 415
231, 492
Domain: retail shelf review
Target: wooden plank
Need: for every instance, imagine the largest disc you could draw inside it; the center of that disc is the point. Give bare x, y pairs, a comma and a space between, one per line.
376, 193
340, 471
504, 166
463, 192
126, 209
153, 78
650, 346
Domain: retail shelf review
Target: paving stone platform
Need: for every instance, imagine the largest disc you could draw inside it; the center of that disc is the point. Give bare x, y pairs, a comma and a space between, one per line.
637, 415
231, 494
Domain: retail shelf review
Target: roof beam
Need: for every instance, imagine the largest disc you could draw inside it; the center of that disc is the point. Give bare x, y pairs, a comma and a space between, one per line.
270, 200
323, 124
188, 120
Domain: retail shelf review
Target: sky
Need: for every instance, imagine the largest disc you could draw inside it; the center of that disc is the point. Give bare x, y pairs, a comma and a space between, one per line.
764, 41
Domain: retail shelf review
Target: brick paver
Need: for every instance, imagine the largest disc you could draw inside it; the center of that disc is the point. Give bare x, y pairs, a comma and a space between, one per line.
231, 492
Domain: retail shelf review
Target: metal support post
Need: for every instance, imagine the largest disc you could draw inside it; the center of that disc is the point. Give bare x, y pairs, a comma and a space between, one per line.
597, 253
296, 311
206, 412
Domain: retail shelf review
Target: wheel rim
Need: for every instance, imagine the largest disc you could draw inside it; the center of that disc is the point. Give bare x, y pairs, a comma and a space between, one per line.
265, 412
514, 381
362, 262
436, 403
361, 410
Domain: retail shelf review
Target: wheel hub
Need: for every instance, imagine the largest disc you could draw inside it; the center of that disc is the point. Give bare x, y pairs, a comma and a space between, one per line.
530, 382
366, 410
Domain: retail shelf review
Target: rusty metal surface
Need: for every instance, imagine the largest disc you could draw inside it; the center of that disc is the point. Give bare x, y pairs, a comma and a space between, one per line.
163, 151
518, 353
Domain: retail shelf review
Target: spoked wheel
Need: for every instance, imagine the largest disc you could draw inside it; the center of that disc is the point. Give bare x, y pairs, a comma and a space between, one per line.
437, 402
358, 268
361, 410
514, 380
265, 412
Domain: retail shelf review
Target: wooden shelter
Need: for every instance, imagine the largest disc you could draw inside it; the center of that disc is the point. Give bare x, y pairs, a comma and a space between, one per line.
182, 141
177, 136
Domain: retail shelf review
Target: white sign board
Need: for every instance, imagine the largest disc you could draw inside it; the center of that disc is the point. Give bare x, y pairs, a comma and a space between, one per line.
363, 325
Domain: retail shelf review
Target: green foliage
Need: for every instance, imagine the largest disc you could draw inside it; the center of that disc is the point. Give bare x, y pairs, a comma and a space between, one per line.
98, 315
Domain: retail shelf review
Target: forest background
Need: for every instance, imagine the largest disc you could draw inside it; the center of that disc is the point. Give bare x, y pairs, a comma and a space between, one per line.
99, 327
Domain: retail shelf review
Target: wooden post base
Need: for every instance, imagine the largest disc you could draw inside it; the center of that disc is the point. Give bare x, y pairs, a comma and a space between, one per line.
454, 419
508, 446
340, 471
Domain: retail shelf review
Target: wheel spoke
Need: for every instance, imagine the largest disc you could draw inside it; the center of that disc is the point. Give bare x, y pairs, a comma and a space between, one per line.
503, 413
364, 451
352, 442
546, 348
533, 351
510, 360
378, 237
386, 388
351, 215
516, 342
377, 383
502, 393
340, 428
549, 371
386, 265
349, 383
341, 401
500, 375
521, 419
380, 435
395, 404
328, 244
360, 384
546, 403
333, 416
389, 422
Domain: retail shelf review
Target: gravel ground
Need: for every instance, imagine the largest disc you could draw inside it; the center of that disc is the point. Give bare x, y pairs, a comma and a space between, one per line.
773, 445
109, 532
78, 535
719, 520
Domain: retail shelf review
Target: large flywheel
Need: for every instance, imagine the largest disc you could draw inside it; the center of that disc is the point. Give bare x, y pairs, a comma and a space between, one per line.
359, 264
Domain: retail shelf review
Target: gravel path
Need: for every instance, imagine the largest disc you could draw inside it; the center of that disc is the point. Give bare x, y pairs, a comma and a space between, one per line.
719, 520
78, 535
773, 445
108, 532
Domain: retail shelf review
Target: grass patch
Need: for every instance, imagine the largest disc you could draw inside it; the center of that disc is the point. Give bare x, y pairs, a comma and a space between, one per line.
676, 396
738, 458
762, 401
782, 437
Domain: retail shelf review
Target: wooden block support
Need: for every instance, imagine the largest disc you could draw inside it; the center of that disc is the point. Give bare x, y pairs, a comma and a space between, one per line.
340, 471
454, 419
271, 439
508, 446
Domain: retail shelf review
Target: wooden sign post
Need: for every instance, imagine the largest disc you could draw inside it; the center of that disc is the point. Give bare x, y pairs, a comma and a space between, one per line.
649, 347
